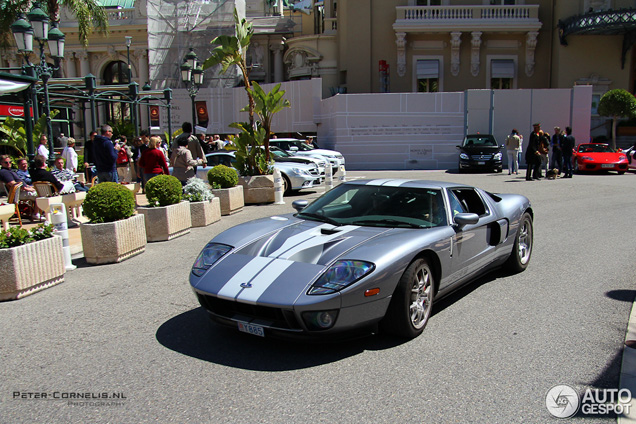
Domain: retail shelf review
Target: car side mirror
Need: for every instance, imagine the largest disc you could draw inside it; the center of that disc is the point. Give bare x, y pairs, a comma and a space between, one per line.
293, 148
299, 205
463, 219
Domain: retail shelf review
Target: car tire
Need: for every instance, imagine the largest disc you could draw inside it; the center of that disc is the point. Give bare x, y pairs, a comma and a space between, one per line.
498, 170
522, 250
621, 172
411, 304
287, 187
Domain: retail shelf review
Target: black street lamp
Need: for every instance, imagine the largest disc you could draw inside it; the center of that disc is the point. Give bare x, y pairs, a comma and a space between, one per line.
38, 27
128, 44
192, 77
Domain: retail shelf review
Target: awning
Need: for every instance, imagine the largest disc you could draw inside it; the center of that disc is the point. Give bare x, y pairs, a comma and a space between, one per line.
428, 68
502, 68
10, 83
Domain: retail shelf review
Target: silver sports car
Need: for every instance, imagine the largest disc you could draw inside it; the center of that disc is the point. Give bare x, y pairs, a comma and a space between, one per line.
366, 255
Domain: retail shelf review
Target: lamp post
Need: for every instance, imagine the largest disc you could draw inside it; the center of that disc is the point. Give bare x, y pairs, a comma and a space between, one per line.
192, 77
38, 27
132, 112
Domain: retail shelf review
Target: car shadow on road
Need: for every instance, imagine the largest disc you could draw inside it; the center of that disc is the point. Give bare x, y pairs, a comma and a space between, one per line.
193, 334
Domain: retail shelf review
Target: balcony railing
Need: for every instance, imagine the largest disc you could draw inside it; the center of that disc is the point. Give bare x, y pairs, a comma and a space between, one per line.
435, 18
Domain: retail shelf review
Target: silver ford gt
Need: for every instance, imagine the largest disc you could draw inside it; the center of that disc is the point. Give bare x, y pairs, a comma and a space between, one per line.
366, 255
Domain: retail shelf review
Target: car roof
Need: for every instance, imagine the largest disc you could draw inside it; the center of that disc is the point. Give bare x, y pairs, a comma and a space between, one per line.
398, 182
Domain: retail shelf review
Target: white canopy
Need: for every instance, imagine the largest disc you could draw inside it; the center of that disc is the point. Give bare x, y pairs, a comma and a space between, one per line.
7, 86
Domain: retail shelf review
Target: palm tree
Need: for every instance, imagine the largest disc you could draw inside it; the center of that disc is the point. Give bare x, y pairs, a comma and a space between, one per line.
89, 13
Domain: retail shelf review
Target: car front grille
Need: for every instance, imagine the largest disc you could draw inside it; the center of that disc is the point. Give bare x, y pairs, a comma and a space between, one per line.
264, 315
481, 157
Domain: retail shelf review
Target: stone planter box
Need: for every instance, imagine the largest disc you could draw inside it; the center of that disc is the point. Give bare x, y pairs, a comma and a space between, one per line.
167, 222
231, 199
258, 189
112, 242
31, 267
205, 213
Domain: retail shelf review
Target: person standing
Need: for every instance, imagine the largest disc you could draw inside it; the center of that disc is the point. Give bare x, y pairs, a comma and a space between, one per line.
123, 160
43, 149
512, 149
70, 155
153, 161
567, 147
533, 157
143, 146
105, 155
556, 159
182, 162
62, 140
193, 143
89, 156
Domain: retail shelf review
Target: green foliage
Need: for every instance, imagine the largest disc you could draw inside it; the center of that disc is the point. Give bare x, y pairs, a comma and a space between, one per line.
617, 103
265, 106
222, 176
80, 164
197, 190
19, 236
108, 202
123, 128
14, 131
250, 154
163, 190
174, 135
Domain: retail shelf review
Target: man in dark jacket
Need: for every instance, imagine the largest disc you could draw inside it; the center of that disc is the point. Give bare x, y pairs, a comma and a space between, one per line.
105, 155
567, 146
533, 156
41, 174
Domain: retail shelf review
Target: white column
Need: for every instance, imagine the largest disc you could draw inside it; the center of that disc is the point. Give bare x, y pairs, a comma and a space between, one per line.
141, 57
71, 65
277, 48
85, 66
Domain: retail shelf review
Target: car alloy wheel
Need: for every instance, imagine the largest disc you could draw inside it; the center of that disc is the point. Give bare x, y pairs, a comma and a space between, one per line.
522, 249
421, 297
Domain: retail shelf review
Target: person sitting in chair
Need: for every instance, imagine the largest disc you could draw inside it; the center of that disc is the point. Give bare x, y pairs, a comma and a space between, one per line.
65, 174
40, 173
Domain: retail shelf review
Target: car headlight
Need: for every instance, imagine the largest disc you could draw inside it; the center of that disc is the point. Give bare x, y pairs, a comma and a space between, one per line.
463, 156
622, 157
341, 275
497, 156
211, 253
299, 171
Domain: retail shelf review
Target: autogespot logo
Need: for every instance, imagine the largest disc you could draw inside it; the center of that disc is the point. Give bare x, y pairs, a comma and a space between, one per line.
562, 401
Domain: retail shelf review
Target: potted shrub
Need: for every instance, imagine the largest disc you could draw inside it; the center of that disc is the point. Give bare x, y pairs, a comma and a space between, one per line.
30, 261
167, 216
205, 208
224, 180
114, 233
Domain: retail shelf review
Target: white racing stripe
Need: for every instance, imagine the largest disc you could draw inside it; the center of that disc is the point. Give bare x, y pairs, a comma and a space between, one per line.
309, 239
263, 280
244, 275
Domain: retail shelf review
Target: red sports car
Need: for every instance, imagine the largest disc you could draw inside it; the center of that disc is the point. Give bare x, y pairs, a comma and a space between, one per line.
599, 157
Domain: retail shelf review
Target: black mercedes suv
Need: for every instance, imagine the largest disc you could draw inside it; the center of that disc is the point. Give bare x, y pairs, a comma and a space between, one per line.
480, 152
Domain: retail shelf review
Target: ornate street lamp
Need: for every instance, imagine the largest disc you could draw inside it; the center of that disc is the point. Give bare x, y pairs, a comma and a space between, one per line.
38, 27
192, 77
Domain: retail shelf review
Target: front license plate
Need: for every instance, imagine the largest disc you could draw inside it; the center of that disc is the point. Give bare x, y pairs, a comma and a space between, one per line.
481, 163
607, 165
256, 330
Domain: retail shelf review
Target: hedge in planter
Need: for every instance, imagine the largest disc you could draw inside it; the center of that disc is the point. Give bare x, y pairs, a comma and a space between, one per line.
114, 232
205, 208
29, 261
167, 217
224, 180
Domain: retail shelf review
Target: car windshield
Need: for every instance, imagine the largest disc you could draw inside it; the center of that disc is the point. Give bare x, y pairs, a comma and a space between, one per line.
478, 140
379, 206
596, 148
302, 146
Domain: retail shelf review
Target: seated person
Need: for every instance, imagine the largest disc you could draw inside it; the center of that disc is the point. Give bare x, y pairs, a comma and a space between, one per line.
41, 174
23, 170
65, 174
10, 178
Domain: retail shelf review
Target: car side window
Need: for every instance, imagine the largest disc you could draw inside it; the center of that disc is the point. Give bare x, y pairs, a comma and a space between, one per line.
213, 160
455, 205
471, 201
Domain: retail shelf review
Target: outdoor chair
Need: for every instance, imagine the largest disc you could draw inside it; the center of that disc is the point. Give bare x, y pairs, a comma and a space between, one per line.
14, 197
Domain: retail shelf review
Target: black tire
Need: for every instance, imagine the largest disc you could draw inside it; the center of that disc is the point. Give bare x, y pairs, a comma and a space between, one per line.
522, 250
621, 172
411, 304
287, 187
498, 170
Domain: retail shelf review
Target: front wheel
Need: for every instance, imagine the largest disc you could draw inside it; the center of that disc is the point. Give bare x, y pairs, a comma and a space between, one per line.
522, 249
410, 307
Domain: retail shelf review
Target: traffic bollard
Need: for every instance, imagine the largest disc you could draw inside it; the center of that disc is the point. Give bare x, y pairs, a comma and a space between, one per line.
278, 187
343, 174
328, 177
58, 219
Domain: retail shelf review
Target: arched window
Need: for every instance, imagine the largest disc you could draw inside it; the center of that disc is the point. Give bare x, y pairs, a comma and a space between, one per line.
116, 73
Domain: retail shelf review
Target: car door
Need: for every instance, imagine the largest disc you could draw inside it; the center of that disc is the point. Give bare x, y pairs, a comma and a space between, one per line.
473, 247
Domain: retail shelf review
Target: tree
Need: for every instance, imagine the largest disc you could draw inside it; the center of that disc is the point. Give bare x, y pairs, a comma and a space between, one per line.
265, 106
15, 132
89, 13
617, 104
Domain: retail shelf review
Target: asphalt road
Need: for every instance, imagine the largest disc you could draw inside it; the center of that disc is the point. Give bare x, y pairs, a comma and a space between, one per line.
489, 354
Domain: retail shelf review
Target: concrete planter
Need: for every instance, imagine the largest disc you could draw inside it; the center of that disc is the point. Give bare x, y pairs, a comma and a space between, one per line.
231, 199
205, 213
31, 267
258, 189
167, 222
112, 242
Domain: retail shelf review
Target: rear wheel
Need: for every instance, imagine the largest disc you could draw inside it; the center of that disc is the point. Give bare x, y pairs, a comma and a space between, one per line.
287, 187
522, 249
410, 307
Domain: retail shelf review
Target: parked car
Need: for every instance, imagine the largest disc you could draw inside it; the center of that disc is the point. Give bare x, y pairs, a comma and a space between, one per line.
599, 157
296, 176
630, 153
280, 155
365, 254
480, 152
299, 148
